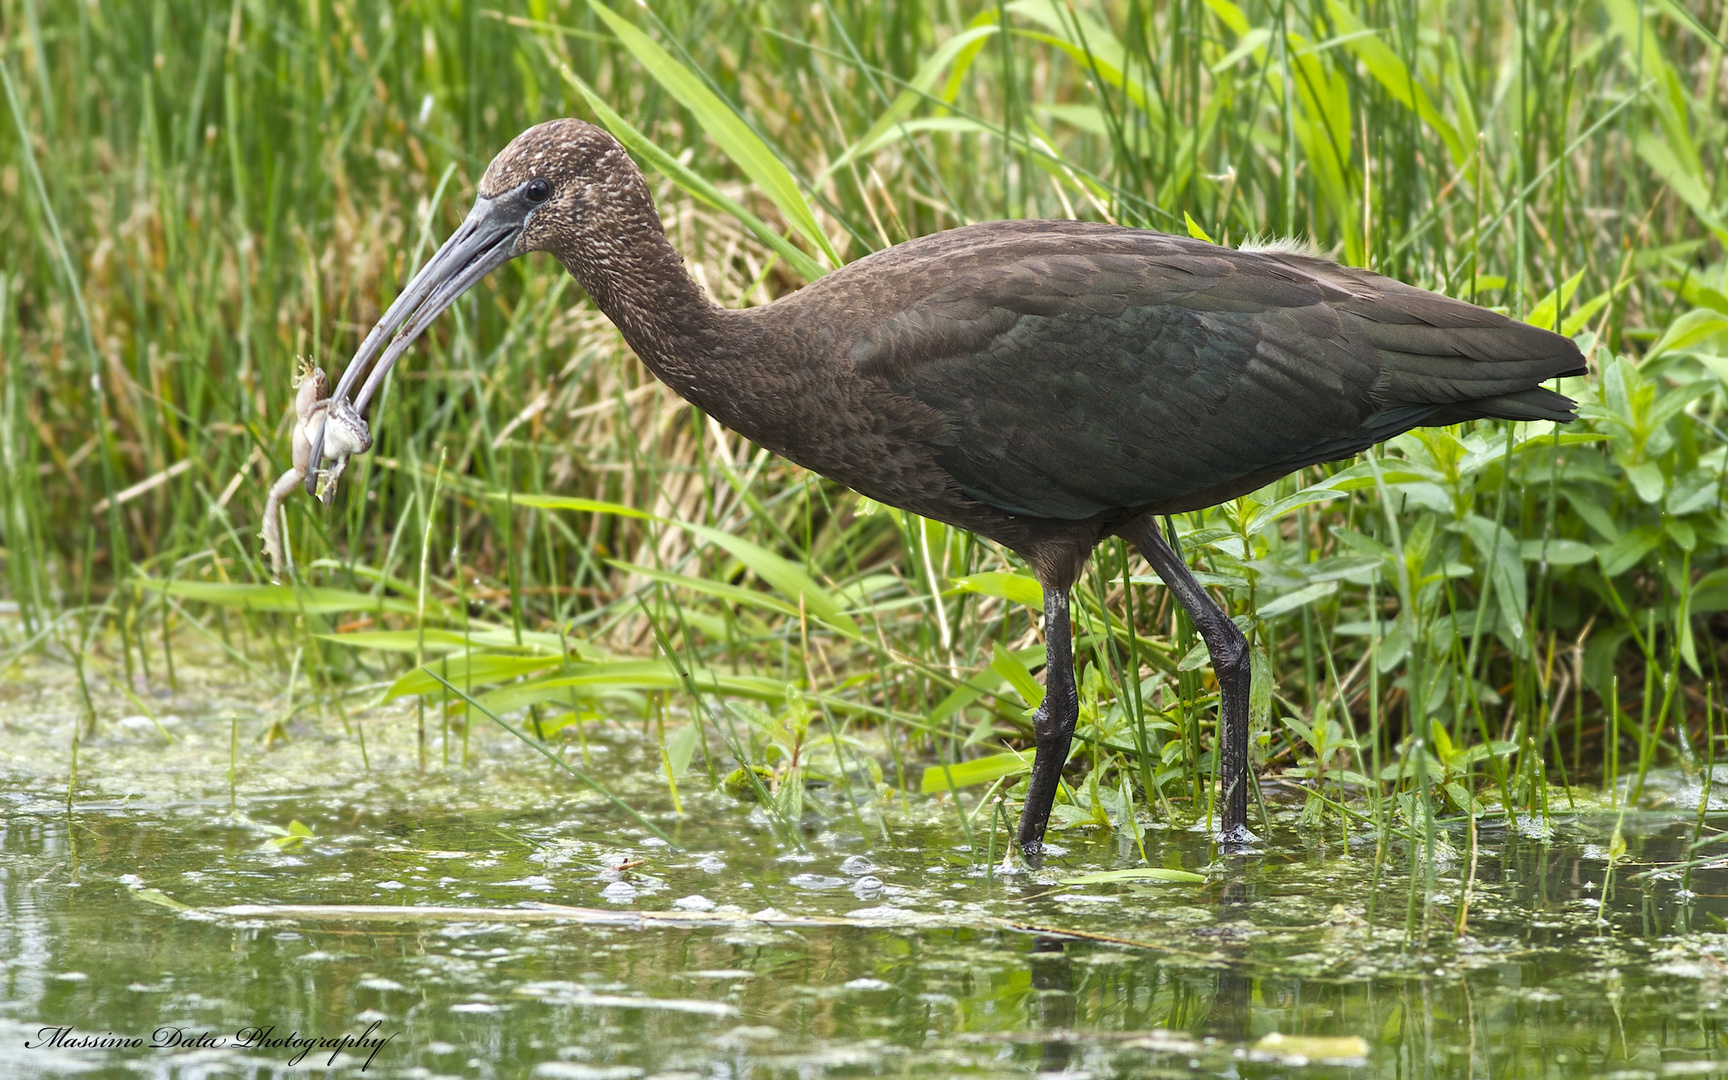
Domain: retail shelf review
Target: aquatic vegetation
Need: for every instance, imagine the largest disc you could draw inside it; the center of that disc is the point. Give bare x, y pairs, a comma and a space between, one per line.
500, 914
1471, 623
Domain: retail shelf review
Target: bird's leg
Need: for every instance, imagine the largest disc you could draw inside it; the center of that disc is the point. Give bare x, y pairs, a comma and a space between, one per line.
1052, 725
1229, 649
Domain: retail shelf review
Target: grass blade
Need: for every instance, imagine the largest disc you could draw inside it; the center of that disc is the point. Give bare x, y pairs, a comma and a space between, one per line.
724, 126
541, 749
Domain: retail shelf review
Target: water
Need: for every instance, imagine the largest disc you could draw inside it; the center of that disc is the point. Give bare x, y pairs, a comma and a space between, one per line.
854, 957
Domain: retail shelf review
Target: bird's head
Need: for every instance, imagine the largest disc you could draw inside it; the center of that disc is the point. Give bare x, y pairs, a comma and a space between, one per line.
573, 186
564, 186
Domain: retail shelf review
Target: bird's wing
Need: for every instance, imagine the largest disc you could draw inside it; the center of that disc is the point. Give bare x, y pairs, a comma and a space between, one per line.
1153, 372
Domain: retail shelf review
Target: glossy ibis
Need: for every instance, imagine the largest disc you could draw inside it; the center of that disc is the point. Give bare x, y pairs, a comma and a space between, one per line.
1045, 384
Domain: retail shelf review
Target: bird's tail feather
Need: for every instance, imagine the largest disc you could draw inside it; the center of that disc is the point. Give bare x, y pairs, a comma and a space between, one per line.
1536, 403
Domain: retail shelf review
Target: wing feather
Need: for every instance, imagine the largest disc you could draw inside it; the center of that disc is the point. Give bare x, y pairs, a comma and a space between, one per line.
1088, 369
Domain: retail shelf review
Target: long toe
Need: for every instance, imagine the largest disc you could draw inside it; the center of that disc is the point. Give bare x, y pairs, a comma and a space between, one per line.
1033, 852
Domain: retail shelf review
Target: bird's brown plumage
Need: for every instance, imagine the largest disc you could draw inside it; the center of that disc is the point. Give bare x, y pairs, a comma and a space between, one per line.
1042, 383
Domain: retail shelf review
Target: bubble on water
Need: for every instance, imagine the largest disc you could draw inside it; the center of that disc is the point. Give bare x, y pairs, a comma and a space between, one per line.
816, 882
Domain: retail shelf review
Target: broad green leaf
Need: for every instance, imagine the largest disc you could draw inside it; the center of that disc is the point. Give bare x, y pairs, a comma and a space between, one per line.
1139, 873
984, 770
1682, 533
1394, 646
957, 50
1691, 186
467, 670
1443, 747
1367, 545
1460, 798
1251, 42
1688, 330
1647, 480
1198, 657
906, 128
1546, 313
725, 591
1710, 593
688, 179
1090, 44
1673, 402
1626, 552
725, 127
1260, 684
1360, 477
403, 641
980, 683
436, 640
572, 502
1510, 588
680, 748
1019, 588
1716, 365
1594, 513
1230, 15
1088, 118
1581, 316
1479, 752
1012, 668
627, 675
278, 598
965, 694
1691, 22
784, 575
1493, 451
1343, 566
1271, 512
1290, 601
1557, 552
1390, 71
1696, 491
1363, 628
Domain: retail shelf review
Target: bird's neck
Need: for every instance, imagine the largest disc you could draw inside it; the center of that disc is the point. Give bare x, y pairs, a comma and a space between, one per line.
638, 279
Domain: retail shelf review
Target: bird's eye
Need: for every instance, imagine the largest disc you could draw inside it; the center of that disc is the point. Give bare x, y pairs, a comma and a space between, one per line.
538, 190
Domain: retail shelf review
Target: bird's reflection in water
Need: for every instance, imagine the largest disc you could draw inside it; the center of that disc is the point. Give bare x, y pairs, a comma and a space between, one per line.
1232, 1001
1053, 983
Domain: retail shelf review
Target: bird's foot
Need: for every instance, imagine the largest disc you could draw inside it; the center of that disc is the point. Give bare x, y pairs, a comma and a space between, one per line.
1236, 840
1032, 851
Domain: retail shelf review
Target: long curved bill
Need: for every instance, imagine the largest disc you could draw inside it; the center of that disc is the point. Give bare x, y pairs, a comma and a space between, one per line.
485, 241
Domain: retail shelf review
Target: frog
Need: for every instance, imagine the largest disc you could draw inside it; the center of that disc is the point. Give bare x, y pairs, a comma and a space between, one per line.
345, 434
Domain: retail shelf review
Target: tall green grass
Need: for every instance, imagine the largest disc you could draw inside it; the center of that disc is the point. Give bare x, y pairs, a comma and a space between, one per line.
195, 193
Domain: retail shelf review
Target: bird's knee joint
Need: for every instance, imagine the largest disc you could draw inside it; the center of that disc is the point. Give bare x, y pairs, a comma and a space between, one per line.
1050, 723
1231, 657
